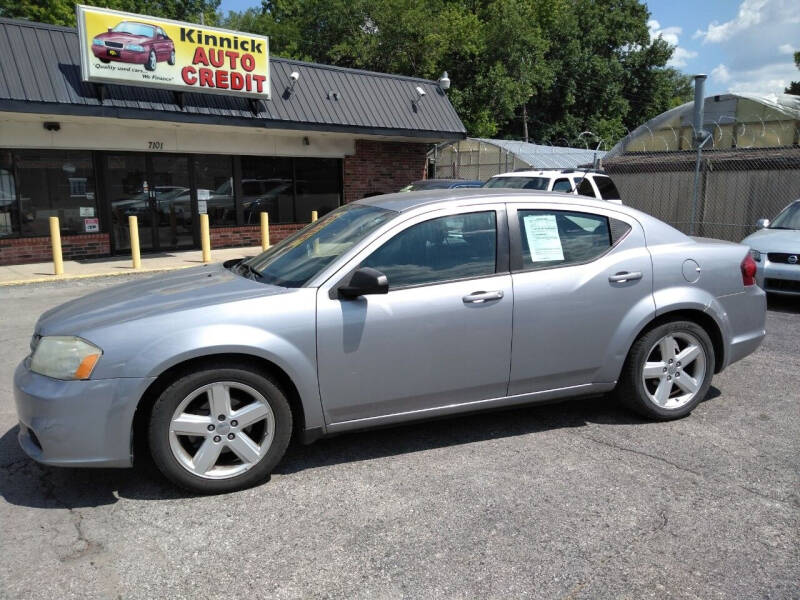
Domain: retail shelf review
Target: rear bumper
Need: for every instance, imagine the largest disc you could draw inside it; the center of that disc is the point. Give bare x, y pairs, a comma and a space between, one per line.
746, 317
76, 423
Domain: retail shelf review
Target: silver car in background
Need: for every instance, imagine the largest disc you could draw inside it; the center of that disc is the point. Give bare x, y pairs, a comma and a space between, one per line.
390, 309
776, 249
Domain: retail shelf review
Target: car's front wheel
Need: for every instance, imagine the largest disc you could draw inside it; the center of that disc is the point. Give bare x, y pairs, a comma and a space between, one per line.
668, 371
219, 429
171, 59
150, 65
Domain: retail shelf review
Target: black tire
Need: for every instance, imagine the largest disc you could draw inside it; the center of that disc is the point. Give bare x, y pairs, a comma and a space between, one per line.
631, 390
105, 61
171, 59
170, 399
152, 61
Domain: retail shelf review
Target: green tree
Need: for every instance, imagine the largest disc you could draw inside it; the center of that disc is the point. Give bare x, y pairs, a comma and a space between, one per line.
62, 12
794, 86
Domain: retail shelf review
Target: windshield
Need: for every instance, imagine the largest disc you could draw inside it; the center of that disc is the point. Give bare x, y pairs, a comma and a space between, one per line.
788, 219
518, 183
295, 260
135, 29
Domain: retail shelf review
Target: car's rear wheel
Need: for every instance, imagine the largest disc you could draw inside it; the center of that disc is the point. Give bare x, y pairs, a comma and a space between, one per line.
219, 429
668, 371
150, 65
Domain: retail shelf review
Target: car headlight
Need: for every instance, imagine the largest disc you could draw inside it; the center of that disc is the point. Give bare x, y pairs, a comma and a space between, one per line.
98, 42
65, 357
134, 48
756, 255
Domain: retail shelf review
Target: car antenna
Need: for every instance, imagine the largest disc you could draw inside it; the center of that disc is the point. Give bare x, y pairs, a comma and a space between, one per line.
586, 172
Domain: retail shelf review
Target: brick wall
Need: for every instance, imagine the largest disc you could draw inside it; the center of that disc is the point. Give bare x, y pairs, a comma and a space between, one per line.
234, 237
17, 251
382, 167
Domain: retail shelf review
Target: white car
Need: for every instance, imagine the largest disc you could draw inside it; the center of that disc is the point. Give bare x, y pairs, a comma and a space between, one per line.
571, 181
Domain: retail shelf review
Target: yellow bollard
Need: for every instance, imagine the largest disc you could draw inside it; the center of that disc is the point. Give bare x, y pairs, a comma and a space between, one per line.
314, 216
264, 231
205, 239
133, 226
55, 240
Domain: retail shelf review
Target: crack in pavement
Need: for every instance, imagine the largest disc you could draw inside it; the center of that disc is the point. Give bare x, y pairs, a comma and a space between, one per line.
788, 502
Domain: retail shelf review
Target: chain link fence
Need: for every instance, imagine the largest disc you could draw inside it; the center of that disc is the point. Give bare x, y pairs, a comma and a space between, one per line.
748, 167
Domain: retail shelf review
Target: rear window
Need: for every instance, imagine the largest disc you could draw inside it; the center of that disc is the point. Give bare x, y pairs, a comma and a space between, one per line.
608, 191
585, 188
519, 183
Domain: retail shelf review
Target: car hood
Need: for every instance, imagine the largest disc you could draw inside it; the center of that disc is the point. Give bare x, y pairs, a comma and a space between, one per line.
774, 240
167, 293
118, 36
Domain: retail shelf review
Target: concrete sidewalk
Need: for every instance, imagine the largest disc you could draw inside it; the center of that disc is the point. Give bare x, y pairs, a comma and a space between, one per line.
117, 265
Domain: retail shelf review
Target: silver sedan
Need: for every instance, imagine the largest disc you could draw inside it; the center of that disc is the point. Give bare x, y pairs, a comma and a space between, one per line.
390, 309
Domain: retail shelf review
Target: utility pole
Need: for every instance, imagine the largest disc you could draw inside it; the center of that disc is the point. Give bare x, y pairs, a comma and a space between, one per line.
525, 122
701, 137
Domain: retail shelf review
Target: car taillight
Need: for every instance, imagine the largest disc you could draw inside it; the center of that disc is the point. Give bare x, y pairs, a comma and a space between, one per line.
748, 267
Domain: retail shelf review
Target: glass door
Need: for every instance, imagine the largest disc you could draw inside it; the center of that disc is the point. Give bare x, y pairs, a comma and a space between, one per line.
171, 202
157, 190
128, 192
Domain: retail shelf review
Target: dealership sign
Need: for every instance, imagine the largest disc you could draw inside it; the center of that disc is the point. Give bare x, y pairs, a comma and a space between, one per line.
129, 49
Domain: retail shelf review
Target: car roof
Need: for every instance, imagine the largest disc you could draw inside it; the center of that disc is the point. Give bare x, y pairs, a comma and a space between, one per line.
406, 201
550, 173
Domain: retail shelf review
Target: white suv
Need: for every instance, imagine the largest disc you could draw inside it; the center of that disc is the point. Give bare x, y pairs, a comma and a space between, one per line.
571, 181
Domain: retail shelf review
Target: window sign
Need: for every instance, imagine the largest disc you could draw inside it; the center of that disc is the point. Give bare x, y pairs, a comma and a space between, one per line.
543, 239
87, 211
91, 225
131, 49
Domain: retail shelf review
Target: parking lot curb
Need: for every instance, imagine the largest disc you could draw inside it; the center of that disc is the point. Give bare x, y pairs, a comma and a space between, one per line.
54, 278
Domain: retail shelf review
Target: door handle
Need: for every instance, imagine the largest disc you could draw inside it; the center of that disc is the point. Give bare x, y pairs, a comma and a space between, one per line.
624, 276
481, 297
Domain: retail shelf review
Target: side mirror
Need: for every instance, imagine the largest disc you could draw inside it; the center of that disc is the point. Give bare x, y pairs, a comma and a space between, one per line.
762, 223
365, 281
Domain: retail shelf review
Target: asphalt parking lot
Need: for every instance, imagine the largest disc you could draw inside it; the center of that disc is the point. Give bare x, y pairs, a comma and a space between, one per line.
575, 500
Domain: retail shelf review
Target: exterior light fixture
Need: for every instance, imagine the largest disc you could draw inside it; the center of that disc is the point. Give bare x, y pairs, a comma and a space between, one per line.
293, 77
444, 82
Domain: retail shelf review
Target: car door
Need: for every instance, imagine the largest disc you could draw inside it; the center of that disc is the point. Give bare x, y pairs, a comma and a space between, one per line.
442, 334
582, 284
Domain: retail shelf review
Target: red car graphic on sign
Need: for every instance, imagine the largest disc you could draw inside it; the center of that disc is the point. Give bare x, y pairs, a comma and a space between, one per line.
134, 42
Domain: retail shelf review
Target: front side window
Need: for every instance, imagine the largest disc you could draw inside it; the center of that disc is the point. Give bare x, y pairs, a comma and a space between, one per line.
555, 238
441, 249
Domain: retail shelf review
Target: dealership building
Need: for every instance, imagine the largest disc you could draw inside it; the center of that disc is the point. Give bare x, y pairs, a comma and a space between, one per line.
94, 154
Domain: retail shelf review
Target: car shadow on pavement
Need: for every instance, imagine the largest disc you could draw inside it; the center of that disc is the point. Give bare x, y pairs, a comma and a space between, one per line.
24, 482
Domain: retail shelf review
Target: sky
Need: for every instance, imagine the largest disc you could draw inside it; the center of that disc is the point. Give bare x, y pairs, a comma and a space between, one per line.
742, 45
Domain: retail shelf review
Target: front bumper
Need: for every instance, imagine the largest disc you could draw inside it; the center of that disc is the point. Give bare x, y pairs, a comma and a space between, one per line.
778, 278
126, 56
77, 423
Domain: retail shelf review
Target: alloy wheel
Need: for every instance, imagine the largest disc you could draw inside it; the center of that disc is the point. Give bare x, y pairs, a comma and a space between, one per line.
221, 430
674, 370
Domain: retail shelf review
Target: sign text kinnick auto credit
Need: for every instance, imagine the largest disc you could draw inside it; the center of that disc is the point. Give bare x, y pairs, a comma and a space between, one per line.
216, 58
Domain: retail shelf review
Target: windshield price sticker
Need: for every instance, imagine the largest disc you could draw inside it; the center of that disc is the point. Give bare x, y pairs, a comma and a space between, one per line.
543, 239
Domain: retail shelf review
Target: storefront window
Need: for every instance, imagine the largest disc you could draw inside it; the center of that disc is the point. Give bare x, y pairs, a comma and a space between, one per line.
267, 187
214, 179
56, 184
9, 215
318, 188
